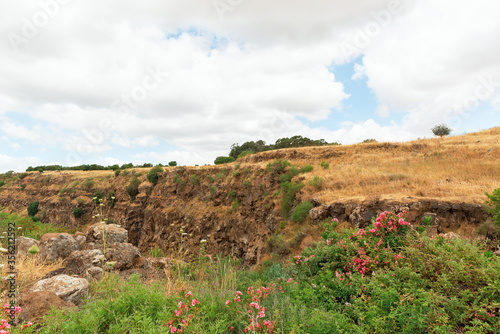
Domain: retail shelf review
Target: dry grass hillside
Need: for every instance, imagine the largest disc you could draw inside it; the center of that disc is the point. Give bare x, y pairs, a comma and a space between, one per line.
457, 168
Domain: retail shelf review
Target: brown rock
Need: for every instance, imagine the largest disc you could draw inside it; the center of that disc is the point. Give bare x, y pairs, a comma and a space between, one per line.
23, 244
48, 236
68, 288
125, 255
112, 233
59, 246
79, 261
37, 304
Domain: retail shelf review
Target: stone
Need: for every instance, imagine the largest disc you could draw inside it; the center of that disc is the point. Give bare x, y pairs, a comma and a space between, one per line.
71, 289
79, 261
451, 235
318, 213
80, 241
112, 233
37, 304
95, 272
125, 255
54, 248
23, 244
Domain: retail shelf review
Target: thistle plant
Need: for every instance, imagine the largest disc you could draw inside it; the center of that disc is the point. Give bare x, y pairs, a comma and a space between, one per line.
101, 218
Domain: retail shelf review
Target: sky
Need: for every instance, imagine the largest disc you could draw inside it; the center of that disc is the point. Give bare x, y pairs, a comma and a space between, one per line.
113, 82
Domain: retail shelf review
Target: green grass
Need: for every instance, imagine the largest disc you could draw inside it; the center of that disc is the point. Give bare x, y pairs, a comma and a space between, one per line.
356, 281
29, 227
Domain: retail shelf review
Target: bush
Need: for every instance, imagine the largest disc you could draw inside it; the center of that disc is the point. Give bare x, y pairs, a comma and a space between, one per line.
194, 179
89, 183
223, 160
244, 153
290, 189
177, 179
277, 166
33, 208
494, 205
441, 130
307, 169
172, 163
23, 186
23, 175
371, 140
156, 252
77, 212
325, 164
117, 172
153, 174
133, 188
2, 183
301, 212
316, 182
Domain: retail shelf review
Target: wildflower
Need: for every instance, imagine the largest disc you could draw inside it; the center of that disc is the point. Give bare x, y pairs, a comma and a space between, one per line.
194, 302
189, 294
3, 250
227, 302
173, 330
203, 241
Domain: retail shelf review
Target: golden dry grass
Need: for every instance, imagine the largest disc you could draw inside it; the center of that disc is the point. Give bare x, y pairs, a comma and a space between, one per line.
457, 168
29, 270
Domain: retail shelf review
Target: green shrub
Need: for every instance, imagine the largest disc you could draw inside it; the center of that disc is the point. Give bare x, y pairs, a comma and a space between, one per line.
117, 172
301, 212
316, 182
371, 140
307, 169
231, 194
33, 208
223, 160
325, 164
177, 179
89, 183
290, 189
194, 179
77, 212
277, 166
247, 184
244, 153
133, 188
23, 175
2, 183
212, 189
22, 186
172, 163
441, 130
153, 174
493, 203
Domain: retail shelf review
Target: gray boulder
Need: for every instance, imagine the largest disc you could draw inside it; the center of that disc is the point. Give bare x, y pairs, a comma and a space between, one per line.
70, 289
57, 247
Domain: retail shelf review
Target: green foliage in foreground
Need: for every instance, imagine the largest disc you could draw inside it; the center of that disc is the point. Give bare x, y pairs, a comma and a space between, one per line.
30, 227
494, 205
385, 279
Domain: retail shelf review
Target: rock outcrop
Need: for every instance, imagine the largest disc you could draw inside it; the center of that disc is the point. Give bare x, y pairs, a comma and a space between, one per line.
57, 246
70, 289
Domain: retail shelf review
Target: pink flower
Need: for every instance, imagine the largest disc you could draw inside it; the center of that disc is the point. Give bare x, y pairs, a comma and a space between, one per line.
194, 302
268, 324
227, 302
173, 330
189, 294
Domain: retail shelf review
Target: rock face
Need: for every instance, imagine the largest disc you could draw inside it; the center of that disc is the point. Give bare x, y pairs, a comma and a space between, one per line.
125, 255
57, 247
23, 244
112, 233
37, 304
67, 288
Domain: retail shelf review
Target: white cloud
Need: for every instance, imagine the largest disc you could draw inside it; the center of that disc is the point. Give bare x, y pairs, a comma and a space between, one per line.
97, 77
13, 145
17, 164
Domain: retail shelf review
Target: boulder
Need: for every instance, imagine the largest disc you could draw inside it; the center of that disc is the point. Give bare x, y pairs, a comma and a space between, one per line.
319, 213
59, 246
37, 304
125, 255
112, 233
79, 261
451, 235
23, 244
67, 288
95, 272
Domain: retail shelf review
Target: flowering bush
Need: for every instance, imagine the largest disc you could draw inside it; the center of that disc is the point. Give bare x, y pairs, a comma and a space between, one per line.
185, 313
5, 327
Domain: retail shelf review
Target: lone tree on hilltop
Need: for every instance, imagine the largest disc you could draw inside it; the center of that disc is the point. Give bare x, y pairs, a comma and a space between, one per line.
441, 130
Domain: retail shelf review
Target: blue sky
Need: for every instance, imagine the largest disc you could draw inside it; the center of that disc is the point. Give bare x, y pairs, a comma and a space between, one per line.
163, 80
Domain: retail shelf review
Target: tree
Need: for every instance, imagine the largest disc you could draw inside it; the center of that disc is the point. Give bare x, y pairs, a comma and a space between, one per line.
223, 160
441, 130
172, 163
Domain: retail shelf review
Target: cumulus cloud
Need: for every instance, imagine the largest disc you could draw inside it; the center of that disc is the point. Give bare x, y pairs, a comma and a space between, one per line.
201, 76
